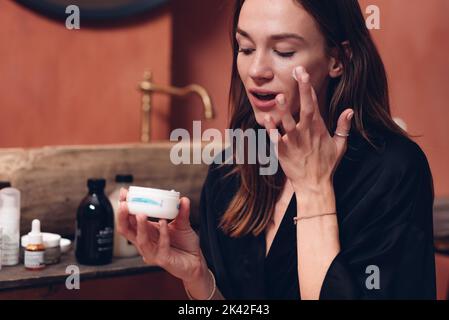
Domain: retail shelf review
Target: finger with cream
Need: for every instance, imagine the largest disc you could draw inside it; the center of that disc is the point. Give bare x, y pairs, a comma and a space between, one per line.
154, 203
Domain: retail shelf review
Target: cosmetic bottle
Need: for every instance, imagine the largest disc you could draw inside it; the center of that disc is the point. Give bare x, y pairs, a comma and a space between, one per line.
122, 247
94, 238
34, 251
1, 241
5, 184
10, 223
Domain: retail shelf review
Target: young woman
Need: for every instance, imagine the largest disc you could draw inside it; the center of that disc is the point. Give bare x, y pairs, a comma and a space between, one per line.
349, 213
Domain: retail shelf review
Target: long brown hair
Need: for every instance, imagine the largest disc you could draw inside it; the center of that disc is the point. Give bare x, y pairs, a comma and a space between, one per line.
363, 87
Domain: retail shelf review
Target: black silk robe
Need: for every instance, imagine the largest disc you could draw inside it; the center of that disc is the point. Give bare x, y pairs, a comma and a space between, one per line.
384, 209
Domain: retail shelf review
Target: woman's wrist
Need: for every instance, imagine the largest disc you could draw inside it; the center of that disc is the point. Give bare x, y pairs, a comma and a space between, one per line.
202, 286
315, 201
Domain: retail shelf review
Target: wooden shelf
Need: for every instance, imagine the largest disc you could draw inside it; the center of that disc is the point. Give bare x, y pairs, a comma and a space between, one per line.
17, 277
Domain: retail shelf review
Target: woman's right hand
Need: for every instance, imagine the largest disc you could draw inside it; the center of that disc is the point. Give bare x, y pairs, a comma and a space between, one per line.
174, 247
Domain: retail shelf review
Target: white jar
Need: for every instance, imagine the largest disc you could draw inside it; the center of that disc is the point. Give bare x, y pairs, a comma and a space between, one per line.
154, 203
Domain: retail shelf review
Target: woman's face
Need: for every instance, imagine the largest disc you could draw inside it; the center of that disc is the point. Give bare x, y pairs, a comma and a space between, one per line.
274, 37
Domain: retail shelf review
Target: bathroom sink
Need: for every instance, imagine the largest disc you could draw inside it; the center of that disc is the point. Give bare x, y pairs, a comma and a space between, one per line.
52, 180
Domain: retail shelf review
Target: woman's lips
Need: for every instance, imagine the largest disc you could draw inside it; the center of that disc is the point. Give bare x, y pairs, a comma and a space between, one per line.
262, 104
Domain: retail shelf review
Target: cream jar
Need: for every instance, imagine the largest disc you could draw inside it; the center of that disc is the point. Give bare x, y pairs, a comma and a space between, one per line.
154, 203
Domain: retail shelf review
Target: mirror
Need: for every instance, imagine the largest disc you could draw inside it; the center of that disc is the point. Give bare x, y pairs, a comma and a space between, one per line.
94, 10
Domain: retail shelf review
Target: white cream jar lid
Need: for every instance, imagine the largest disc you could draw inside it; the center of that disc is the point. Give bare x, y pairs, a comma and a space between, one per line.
137, 191
155, 203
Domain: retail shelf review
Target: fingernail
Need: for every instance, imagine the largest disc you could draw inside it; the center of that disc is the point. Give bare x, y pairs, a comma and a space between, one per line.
294, 74
267, 118
281, 99
350, 116
305, 77
298, 72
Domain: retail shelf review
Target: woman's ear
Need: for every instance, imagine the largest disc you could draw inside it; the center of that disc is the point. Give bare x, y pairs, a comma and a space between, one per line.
335, 63
335, 67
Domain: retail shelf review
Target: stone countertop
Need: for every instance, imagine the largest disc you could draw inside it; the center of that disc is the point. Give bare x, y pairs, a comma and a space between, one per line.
17, 277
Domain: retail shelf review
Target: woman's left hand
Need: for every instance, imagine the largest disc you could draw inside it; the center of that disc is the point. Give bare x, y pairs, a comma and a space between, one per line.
306, 152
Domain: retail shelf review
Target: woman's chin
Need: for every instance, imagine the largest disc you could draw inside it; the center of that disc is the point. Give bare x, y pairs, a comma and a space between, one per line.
260, 118
260, 121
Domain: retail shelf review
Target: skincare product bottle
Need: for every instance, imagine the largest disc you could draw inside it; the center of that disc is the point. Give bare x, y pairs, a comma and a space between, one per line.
122, 247
94, 239
10, 222
34, 251
1, 240
52, 246
5, 184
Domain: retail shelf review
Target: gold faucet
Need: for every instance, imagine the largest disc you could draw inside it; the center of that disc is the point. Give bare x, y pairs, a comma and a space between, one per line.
148, 87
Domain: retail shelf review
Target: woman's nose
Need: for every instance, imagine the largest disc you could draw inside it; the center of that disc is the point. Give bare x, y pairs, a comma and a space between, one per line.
260, 68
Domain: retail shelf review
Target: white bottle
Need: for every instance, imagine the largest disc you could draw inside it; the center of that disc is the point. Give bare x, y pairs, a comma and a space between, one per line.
10, 222
1, 241
122, 247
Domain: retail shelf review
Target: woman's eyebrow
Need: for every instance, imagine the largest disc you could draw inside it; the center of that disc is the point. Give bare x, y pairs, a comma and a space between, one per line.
282, 36
276, 37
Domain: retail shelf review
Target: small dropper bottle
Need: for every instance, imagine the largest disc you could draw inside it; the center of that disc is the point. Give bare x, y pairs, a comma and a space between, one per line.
34, 251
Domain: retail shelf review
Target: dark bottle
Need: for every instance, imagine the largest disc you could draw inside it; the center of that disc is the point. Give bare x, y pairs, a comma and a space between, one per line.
5, 184
94, 226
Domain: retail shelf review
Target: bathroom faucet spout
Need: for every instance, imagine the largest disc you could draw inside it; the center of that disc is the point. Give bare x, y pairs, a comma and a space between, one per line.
148, 88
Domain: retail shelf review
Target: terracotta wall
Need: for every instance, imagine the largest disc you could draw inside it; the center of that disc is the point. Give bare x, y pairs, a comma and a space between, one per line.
201, 54
413, 41
59, 86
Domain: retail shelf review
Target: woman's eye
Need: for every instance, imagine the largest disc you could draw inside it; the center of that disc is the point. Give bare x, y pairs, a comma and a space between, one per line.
285, 54
245, 51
